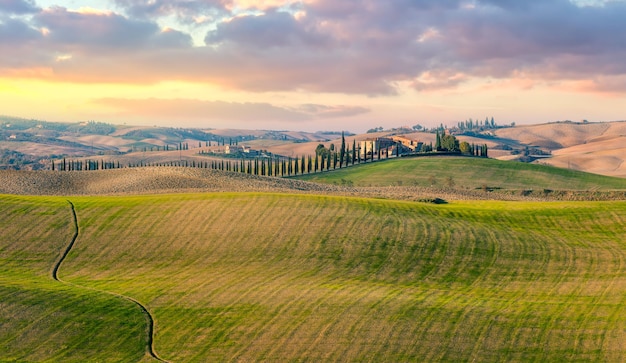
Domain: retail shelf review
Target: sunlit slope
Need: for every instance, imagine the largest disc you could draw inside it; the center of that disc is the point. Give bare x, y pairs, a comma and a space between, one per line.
290, 278
45, 320
467, 173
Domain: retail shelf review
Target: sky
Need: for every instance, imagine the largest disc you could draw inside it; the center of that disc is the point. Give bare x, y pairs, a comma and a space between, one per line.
313, 64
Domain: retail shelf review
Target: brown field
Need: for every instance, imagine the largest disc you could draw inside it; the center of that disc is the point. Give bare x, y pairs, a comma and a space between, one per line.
153, 180
598, 148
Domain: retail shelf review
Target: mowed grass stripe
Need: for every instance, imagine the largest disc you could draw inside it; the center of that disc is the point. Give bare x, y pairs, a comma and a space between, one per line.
301, 277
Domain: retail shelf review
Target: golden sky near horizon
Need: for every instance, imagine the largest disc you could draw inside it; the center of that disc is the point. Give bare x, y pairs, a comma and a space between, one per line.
312, 65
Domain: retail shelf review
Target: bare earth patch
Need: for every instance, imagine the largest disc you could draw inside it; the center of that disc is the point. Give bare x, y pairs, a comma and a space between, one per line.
153, 180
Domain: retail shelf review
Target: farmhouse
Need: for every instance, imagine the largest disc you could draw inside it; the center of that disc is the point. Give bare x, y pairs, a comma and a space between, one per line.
234, 149
412, 145
373, 145
239, 149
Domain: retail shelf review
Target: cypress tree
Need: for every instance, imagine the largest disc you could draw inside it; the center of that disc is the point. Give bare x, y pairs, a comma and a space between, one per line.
353, 151
342, 151
315, 163
365, 151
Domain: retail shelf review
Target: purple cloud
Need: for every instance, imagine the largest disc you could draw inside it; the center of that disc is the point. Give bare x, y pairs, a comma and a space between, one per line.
73, 30
18, 7
362, 47
272, 29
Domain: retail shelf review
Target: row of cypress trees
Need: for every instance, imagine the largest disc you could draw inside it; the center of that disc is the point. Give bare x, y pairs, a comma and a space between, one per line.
258, 166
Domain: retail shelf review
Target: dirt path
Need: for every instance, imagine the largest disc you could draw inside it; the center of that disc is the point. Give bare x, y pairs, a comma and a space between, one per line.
149, 319
57, 265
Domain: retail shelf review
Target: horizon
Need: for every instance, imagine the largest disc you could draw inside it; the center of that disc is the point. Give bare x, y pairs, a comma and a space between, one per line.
312, 65
425, 128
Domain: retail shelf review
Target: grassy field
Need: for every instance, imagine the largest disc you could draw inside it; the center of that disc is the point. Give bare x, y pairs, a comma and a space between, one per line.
467, 173
276, 277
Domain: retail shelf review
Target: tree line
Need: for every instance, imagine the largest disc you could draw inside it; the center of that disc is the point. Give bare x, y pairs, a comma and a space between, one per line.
325, 159
449, 143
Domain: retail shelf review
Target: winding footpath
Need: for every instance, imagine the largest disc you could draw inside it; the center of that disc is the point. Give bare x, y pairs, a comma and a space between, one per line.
149, 319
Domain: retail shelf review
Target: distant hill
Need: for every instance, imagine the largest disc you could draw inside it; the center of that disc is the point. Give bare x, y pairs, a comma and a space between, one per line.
593, 147
598, 148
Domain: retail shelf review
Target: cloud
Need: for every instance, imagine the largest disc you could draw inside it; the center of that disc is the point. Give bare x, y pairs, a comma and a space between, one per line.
324, 111
220, 110
69, 30
358, 47
272, 29
188, 11
18, 7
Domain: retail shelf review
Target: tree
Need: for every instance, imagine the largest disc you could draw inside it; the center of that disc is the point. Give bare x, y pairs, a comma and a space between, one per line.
342, 151
448, 142
322, 151
438, 142
465, 147
365, 151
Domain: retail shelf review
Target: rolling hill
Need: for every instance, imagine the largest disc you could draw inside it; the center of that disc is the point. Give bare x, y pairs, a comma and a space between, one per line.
467, 173
31, 144
283, 277
598, 148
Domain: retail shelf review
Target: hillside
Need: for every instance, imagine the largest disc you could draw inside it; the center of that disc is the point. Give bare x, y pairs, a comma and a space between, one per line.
152, 180
598, 148
311, 278
143, 181
467, 173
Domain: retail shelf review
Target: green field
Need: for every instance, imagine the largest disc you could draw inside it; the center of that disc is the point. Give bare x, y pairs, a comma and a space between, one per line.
467, 173
278, 277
